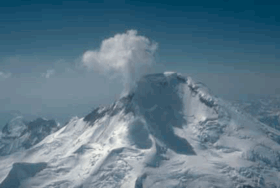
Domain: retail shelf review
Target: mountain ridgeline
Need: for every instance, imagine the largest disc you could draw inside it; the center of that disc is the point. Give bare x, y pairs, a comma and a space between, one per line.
19, 134
167, 132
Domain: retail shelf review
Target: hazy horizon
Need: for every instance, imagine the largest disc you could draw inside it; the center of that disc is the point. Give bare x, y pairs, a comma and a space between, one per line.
231, 46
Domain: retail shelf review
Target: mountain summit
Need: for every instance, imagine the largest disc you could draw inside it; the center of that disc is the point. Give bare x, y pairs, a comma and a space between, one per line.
167, 132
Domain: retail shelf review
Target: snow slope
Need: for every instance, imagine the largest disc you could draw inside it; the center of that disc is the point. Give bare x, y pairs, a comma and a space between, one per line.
168, 132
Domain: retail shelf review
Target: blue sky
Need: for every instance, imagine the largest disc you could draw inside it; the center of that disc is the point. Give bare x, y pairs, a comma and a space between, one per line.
232, 46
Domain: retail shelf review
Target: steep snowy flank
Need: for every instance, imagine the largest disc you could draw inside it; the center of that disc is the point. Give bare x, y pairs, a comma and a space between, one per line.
18, 134
168, 132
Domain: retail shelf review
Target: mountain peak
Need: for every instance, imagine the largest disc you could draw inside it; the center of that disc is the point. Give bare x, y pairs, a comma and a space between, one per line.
168, 132
172, 89
14, 127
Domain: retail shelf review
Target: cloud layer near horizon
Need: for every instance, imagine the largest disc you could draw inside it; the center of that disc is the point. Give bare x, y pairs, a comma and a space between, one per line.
127, 55
5, 75
49, 73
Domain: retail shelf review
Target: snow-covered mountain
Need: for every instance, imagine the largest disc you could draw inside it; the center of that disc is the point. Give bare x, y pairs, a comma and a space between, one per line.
266, 109
6, 116
18, 134
167, 132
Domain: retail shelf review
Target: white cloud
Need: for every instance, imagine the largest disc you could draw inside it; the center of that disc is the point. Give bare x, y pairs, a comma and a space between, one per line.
48, 74
5, 75
127, 55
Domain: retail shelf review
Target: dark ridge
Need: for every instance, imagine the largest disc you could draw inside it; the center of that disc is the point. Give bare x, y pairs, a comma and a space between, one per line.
209, 103
271, 120
127, 102
139, 181
5, 129
94, 115
181, 78
123, 103
193, 89
82, 149
127, 99
275, 137
247, 186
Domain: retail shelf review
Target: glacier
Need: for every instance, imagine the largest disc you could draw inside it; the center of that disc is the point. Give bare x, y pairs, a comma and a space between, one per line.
168, 131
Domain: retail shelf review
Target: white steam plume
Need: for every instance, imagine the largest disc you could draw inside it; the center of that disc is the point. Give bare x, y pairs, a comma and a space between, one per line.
5, 75
48, 74
127, 55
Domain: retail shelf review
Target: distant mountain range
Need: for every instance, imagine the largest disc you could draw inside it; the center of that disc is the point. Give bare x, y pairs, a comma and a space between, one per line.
265, 109
18, 134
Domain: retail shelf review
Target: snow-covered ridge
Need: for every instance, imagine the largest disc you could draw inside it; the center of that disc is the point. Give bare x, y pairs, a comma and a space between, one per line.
168, 132
19, 134
265, 109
